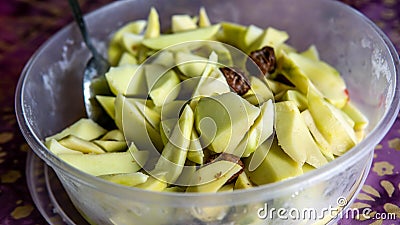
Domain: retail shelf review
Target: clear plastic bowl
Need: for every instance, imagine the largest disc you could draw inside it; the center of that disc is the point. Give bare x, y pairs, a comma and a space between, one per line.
49, 97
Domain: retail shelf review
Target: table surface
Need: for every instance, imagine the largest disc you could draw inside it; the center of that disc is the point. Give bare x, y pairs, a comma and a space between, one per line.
26, 24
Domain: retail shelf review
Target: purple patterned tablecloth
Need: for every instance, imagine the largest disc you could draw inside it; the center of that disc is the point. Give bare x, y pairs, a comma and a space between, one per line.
26, 24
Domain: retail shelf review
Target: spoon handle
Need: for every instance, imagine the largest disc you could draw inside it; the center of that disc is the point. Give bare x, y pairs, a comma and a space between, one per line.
77, 13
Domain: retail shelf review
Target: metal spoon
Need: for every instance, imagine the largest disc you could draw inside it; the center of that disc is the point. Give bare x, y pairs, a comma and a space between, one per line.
94, 81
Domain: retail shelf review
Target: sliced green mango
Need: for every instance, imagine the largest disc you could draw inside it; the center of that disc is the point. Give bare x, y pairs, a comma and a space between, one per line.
360, 134
360, 120
232, 34
172, 110
258, 133
227, 188
102, 164
276, 166
163, 84
55, 147
212, 177
292, 72
174, 153
277, 87
127, 59
269, 37
325, 147
212, 81
151, 115
84, 128
307, 168
166, 40
325, 78
204, 21
115, 49
139, 156
135, 27
336, 130
311, 53
195, 153
251, 35
131, 42
186, 174
294, 136
182, 22
285, 48
153, 24
78, 144
107, 102
260, 92
111, 146
153, 184
113, 135
262, 128
243, 182
126, 179
223, 120
166, 127
127, 80
136, 125
114, 53
189, 64
164, 58
297, 97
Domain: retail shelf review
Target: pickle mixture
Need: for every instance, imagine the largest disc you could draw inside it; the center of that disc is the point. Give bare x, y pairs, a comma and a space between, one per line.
209, 107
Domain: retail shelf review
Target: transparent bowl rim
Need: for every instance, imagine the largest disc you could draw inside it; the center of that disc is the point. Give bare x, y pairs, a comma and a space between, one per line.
199, 199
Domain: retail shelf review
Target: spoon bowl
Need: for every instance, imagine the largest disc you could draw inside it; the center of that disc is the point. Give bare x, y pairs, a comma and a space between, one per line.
94, 80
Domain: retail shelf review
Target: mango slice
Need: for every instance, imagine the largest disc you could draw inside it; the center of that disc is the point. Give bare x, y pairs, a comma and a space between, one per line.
55, 147
85, 129
204, 21
78, 144
243, 182
325, 78
297, 97
153, 24
223, 120
182, 22
127, 80
126, 179
111, 146
276, 166
131, 119
270, 37
113, 135
336, 130
325, 147
102, 164
189, 64
360, 121
174, 153
163, 84
166, 40
212, 177
153, 184
294, 136
107, 102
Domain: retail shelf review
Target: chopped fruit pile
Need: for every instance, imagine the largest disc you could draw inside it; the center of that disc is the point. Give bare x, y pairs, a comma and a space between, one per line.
212, 107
